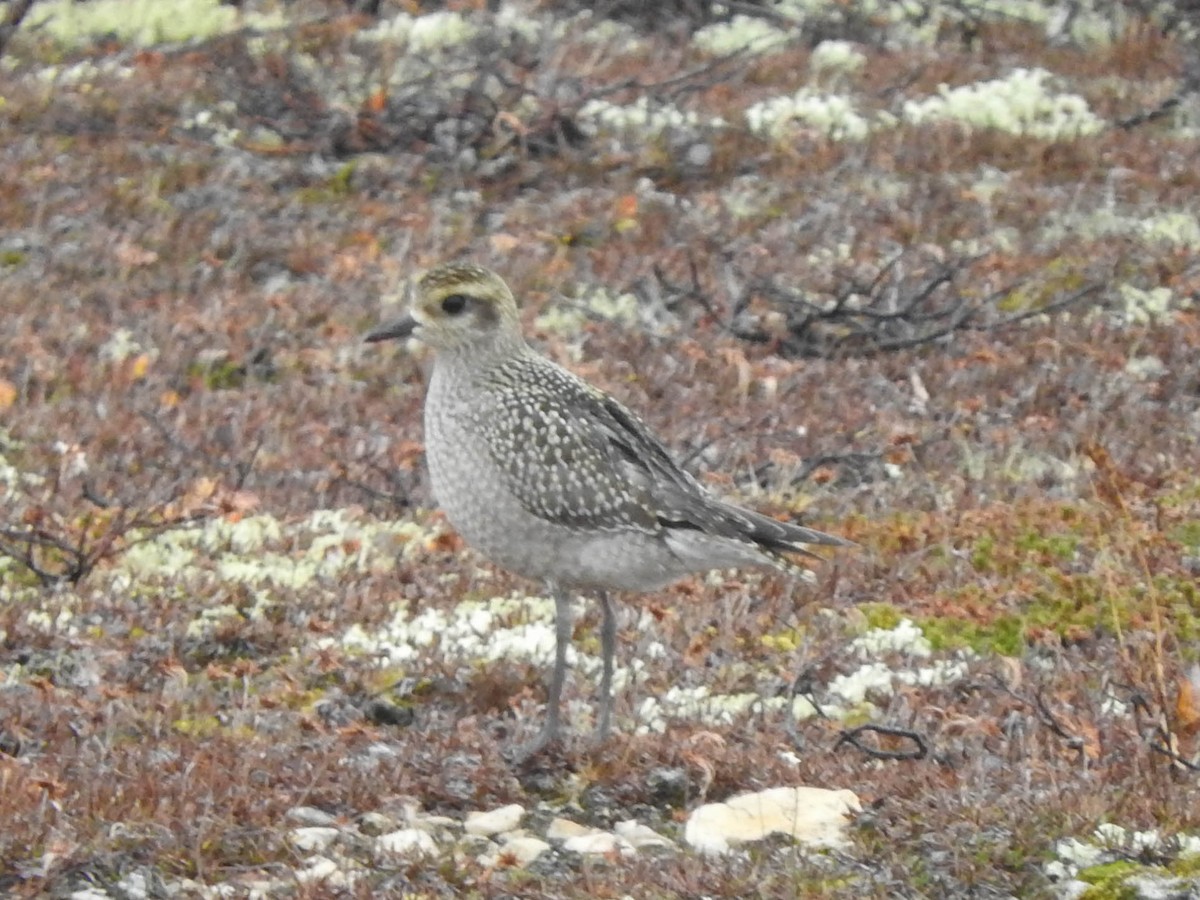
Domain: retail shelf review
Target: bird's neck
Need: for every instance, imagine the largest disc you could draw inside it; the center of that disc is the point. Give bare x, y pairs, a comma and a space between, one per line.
481, 355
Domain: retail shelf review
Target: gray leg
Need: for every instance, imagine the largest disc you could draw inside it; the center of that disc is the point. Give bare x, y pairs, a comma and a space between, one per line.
562, 640
608, 649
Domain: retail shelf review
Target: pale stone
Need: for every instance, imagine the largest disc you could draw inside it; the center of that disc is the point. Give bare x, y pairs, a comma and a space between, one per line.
485, 824
406, 842
520, 851
813, 816
133, 887
320, 868
562, 829
428, 821
311, 817
376, 823
602, 842
313, 839
639, 835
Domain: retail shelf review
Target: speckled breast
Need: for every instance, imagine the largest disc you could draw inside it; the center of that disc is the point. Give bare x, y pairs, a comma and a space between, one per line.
470, 489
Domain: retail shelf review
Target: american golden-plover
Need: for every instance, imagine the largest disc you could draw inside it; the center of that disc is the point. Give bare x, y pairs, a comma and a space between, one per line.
555, 480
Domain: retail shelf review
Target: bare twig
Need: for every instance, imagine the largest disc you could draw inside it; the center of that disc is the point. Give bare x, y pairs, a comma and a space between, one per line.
1162, 110
398, 498
1175, 757
678, 293
70, 553
888, 312
1056, 306
852, 737
1074, 741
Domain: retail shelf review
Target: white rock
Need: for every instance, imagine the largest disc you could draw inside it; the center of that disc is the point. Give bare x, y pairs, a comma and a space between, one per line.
319, 868
563, 829
602, 842
813, 816
431, 822
406, 842
639, 835
485, 824
133, 886
313, 839
526, 849
1145, 367
311, 817
1160, 886
521, 851
380, 750
375, 823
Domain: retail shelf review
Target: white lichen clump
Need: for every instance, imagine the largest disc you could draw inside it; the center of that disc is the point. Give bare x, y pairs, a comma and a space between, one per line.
1176, 229
1144, 307
141, 22
519, 21
830, 115
10, 478
423, 34
512, 627
1172, 229
741, 33
844, 694
85, 72
61, 622
876, 678
906, 637
215, 121
267, 557
698, 703
643, 116
121, 346
1019, 104
836, 56
1080, 20
597, 302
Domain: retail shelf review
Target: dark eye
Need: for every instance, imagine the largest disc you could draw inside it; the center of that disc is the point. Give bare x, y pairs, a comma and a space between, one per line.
454, 304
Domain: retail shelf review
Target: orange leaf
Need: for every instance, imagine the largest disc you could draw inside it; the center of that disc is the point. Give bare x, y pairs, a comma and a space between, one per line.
377, 102
198, 494
446, 541
823, 475
150, 59
8, 394
1187, 704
